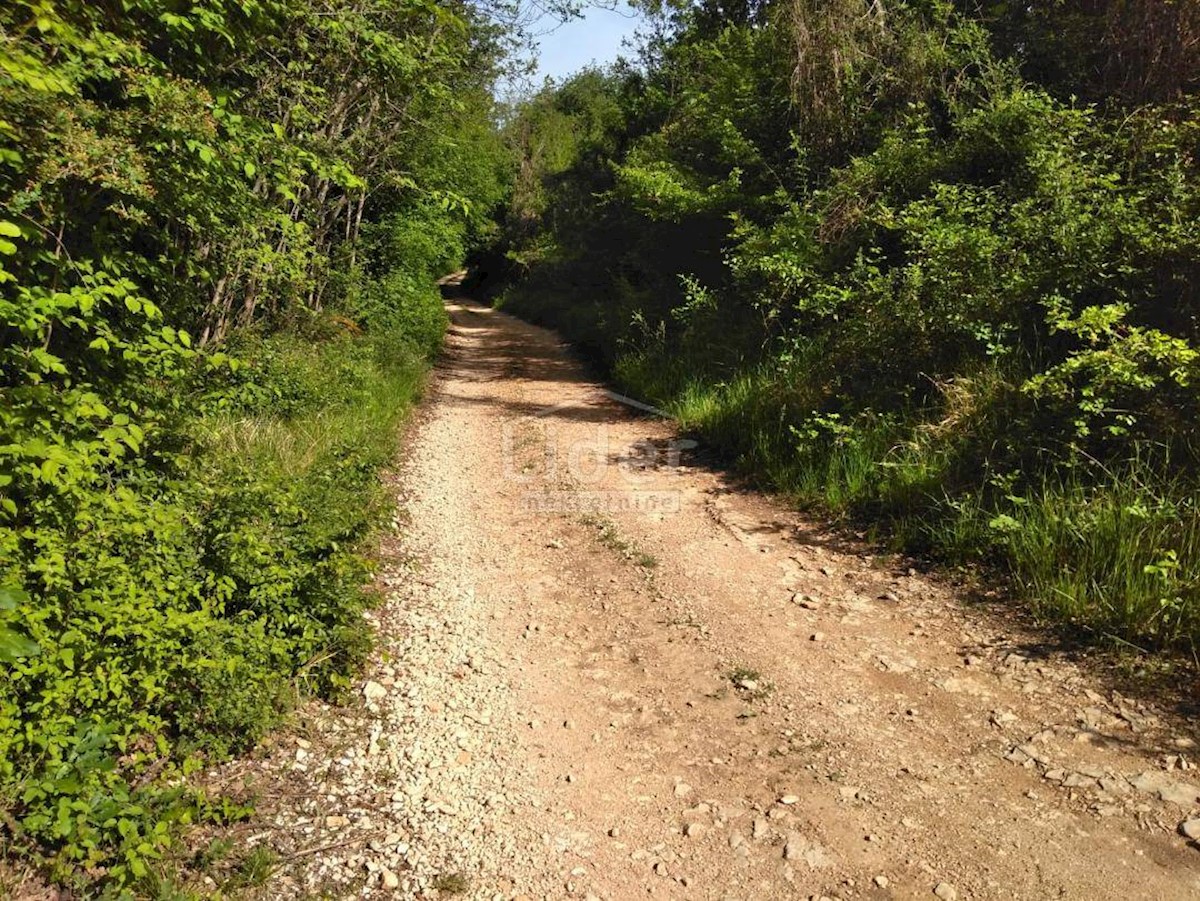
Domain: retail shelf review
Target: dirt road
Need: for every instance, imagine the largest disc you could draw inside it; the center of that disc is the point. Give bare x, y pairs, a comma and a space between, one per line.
605, 671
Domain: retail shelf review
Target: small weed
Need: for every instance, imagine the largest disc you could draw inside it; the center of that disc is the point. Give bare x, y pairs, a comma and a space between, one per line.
741, 674
645, 560
749, 683
218, 850
157, 886
612, 539
231, 870
254, 869
451, 883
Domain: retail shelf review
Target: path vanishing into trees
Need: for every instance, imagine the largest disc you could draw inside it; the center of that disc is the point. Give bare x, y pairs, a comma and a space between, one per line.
606, 670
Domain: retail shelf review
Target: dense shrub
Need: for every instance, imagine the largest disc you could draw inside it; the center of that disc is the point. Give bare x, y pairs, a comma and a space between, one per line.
219, 229
185, 608
882, 255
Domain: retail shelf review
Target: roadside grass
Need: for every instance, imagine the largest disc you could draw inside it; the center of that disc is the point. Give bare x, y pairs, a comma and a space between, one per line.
346, 392
1120, 557
252, 600
306, 459
1111, 550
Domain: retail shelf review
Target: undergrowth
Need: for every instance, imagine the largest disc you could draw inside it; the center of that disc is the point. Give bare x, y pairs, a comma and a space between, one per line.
932, 271
1112, 548
210, 596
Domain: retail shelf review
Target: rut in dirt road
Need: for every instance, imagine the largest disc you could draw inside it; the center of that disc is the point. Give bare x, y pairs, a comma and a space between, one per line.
604, 671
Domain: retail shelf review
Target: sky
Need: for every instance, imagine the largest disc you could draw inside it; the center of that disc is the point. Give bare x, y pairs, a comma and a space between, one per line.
594, 38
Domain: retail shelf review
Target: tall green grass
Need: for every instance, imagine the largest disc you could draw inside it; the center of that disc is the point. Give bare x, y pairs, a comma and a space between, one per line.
371, 389
1120, 554
1113, 550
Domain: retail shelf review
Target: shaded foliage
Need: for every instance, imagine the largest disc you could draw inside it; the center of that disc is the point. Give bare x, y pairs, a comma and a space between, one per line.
220, 224
926, 262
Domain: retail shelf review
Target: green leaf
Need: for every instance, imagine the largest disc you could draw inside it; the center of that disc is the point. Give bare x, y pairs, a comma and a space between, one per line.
249, 169
11, 596
14, 646
9, 229
1005, 524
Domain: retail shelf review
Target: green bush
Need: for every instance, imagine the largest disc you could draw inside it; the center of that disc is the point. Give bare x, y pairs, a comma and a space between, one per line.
891, 266
173, 617
233, 688
216, 302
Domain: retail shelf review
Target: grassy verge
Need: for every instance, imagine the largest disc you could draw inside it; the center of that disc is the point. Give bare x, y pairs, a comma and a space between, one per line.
212, 587
1111, 549
1114, 550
